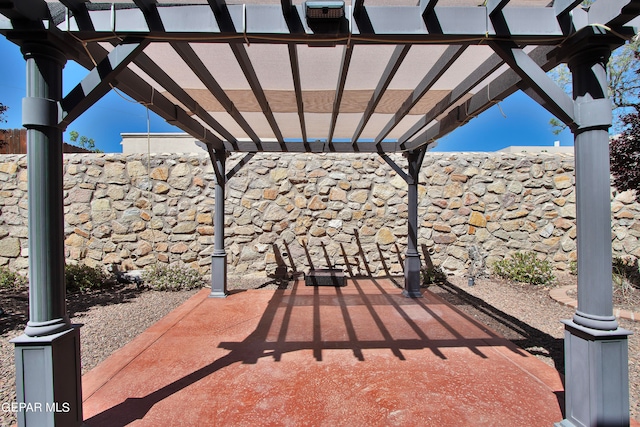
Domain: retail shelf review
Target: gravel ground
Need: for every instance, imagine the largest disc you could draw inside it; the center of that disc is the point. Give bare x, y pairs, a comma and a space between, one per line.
524, 314
110, 320
529, 317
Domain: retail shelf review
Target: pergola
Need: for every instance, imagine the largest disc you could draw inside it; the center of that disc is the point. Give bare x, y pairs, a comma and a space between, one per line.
291, 76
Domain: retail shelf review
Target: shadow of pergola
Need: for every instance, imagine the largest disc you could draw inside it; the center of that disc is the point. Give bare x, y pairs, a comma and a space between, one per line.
515, 330
399, 324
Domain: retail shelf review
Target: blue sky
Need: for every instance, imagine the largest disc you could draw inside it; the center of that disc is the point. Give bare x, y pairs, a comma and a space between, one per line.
526, 123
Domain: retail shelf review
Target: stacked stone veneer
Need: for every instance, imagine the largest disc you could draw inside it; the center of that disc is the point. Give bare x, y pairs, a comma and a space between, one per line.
135, 211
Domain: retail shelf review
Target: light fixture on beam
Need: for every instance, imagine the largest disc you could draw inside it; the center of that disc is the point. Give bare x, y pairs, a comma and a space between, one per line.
324, 10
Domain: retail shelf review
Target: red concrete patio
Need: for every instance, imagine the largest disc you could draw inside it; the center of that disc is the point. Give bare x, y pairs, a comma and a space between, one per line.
360, 355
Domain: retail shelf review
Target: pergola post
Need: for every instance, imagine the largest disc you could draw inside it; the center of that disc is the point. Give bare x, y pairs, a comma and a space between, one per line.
219, 256
597, 383
412, 259
48, 375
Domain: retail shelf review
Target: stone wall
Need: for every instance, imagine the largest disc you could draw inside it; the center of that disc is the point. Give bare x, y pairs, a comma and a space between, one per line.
127, 210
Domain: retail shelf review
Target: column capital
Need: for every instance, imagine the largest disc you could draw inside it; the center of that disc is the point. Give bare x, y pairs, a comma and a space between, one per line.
43, 50
41, 107
589, 54
592, 106
587, 41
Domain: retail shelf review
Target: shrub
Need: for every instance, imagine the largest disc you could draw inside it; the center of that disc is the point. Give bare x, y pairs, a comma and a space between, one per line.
11, 280
82, 278
626, 269
173, 278
525, 268
625, 155
432, 275
626, 276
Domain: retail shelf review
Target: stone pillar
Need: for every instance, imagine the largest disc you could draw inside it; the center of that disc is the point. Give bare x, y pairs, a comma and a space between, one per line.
597, 383
48, 353
412, 260
219, 256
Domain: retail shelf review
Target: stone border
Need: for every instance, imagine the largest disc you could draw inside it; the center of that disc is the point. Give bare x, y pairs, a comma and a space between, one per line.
560, 295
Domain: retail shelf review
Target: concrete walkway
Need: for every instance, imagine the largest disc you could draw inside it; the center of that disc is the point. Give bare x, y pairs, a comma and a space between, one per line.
360, 355
561, 295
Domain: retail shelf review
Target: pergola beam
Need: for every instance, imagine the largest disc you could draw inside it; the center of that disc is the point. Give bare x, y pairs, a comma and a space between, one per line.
218, 6
34, 11
217, 171
286, 7
226, 22
80, 12
297, 87
358, 7
138, 89
319, 146
390, 70
395, 167
161, 77
495, 6
196, 65
159, 104
252, 78
556, 100
239, 165
451, 24
442, 64
472, 80
497, 90
454, 24
427, 6
612, 13
342, 80
146, 6
150, 10
99, 81
563, 7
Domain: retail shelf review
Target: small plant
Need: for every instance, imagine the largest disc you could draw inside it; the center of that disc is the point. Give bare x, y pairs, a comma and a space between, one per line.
11, 280
173, 278
525, 268
626, 276
627, 268
573, 268
431, 275
82, 278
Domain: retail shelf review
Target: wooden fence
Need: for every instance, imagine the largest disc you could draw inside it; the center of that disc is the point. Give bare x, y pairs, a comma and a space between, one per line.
15, 142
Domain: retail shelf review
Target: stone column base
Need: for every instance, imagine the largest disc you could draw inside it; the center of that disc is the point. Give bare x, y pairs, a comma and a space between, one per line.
596, 377
412, 276
218, 276
48, 379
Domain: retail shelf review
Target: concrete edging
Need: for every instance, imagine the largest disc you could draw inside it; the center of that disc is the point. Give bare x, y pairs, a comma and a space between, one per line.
560, 295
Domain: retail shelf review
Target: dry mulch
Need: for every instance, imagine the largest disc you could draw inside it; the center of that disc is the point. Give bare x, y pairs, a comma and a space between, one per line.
522, 313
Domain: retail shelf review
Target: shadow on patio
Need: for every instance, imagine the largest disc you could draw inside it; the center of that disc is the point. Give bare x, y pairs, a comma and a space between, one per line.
355, 355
